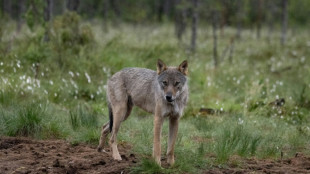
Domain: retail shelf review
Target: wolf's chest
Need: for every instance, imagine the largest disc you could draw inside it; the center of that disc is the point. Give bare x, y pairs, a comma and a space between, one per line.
171, 110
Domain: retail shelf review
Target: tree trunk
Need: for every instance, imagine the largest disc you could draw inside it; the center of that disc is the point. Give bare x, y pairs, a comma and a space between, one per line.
2, 8
47, 18
223, 21
194, 25
73, 5
231, 50
76, 5
51, 8
114, 5
47, 10
214, 28
180, 24
7, 6
259, 18
270, 19
105, 15
160, 10
284, 22
239, 18
167, 7
239, 30
68, 4
21, 10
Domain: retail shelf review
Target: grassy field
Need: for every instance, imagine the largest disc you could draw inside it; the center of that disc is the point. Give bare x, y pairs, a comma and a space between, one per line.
56, 90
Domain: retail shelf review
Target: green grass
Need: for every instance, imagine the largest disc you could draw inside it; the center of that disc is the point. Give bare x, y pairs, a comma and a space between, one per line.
33, 120
237, 140
26, 121
53, 90
83, 117
148, 166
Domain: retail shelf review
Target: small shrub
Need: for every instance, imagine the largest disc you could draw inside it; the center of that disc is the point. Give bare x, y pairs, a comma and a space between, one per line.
36, 50
6, 97
83, 116
69, 36
238, 141
27, 121
226, 144
53, 130
86, 135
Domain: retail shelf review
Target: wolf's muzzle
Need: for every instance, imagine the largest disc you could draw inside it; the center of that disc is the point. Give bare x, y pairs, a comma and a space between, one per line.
169, 98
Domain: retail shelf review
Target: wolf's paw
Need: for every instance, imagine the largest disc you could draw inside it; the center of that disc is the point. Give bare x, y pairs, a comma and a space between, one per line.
170, 160
157, 160
117, 157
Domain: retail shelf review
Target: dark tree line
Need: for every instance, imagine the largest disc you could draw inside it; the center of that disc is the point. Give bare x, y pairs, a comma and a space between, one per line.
251, 12
187, 15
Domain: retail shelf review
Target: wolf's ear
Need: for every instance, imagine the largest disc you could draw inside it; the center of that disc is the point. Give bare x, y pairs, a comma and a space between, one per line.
161, 66
183, 67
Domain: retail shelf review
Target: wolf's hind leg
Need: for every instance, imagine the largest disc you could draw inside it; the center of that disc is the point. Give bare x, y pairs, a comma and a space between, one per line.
103, 137
119, 112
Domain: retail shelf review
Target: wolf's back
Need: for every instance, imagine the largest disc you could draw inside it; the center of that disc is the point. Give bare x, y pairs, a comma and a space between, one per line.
138, 83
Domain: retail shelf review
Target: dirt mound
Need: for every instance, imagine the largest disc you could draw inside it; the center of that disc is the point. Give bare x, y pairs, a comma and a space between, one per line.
22, 155
298, 164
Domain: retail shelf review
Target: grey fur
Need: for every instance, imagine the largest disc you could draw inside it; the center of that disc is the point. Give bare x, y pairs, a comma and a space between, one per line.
150, 91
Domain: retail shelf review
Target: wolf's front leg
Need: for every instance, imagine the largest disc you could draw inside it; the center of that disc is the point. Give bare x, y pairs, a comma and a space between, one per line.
173, 131
158, 122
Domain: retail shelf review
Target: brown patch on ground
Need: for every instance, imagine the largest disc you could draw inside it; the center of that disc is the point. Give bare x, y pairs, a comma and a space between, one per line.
23, 155
299, 164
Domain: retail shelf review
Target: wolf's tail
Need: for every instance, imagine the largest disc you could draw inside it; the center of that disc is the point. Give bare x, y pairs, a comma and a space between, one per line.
110, 116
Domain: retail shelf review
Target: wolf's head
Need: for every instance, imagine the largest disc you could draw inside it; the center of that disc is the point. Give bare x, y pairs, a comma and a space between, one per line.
172, 80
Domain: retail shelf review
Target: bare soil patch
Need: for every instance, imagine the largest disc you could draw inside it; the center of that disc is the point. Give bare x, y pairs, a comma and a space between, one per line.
23, 155
299, 164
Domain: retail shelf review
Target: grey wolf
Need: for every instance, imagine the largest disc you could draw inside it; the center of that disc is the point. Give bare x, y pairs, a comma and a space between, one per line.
163, 93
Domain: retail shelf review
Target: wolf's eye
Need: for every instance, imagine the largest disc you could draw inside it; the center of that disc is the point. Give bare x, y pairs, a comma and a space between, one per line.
165, 83
176, 83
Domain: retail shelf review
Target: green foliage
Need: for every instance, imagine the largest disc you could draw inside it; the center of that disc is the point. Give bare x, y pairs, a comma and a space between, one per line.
5, 97
203, 125
70, 33
26, 121
187, 161
74, 120
86, 135
36, 51
52, 129
236, 140
190, 160
83, 116
69, 38
147, 166
34, 13
298, 12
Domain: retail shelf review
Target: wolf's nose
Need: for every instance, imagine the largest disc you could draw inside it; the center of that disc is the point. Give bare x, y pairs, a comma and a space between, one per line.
169, 98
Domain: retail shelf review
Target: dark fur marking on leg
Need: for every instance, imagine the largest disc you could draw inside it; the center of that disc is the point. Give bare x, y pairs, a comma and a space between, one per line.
110, 116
